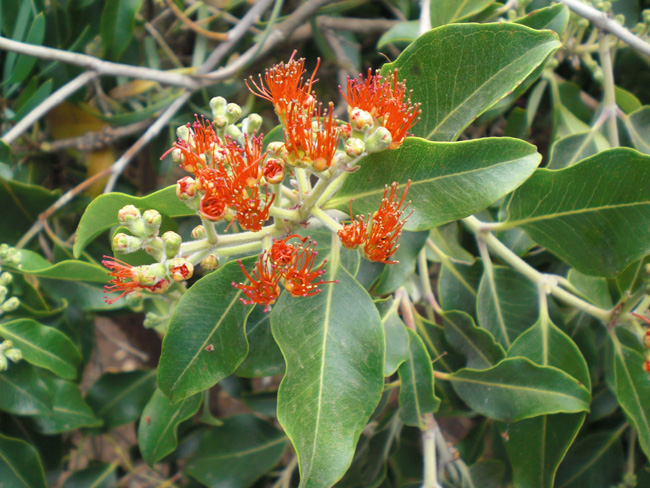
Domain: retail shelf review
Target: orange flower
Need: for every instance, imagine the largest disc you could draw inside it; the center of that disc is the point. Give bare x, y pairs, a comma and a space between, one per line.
251, 213
282, 253
125, 280
263, 288
384, 99
300, 278
203, 140
283, 85
354, 234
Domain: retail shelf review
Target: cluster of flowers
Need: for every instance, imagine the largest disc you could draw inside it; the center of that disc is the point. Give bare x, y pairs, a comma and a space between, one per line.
11, 257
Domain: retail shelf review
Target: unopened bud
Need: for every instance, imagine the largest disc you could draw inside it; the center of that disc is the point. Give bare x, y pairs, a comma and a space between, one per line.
6, 345
131, 218
234, 133
274, 171
171, 243
210, 263
198, 232
220, 121
3, 363
251, 124
161, 287
10, 305
218, 106
5, 278
183, 133
233, 112
186, 188
145, 275
177, 156
646, 15
354, 147
125, 244
3, 293
646, 366
360, 119
152, 220
583, 23
134, 300
180, 269
152, 320
14, 354
379, 140
619, 19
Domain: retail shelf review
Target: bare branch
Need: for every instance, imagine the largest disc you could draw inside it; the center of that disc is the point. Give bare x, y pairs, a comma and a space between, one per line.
92, 141
606, 24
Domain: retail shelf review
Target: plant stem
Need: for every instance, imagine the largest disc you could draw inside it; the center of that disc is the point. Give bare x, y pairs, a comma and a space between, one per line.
500, 249
429, 443
332, 224
284, 213
610, 106
210, 231
423, 271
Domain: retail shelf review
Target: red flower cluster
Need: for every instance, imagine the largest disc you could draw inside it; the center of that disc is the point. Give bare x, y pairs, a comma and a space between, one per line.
227, 174
127, 278
291, 263
380, 233
383, 98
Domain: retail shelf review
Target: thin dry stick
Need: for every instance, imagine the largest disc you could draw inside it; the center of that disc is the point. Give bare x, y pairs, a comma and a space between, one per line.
96, 140
603, 22
219, 36
46, 105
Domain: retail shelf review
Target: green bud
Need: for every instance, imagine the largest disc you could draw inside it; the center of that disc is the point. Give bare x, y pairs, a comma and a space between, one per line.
183, 133
233, 112
5, 278
125, 244
234, 132
210, 263
583, 23
220, 121
134, 300
180, 269
379, 140
3, 293
152, 220
144, 275
177, 156
218, 106
14, 354
10, 305
10, 255
251, 124
354, 147
198, 232
6, 345
619, 19
171, 243
360, 119
3, 363
130, 217
646, 15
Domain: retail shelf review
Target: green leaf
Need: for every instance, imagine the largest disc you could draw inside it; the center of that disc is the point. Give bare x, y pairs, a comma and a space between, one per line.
516, 389
596, 461
23, 392
583, 214
507, 305
236, 454
25, 63
101, 214
638, 127
444, 12
416, 394
475, 343
43, 346
446, 237
20, 465
569, 150
395, 275
459, 71
117, 23
458, 286
21, 204
397, 341
157, 431
69, 411
18, 28
264, 356
555, 18
100, 475
333, 345
32, 263
209, 314
595, 289
29, 100
400, 33
487, 474
626, 101
119, 398
632, 388
441, 174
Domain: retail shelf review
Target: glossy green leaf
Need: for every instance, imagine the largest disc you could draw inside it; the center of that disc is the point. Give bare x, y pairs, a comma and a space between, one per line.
157, 431
583, 213
446, 238
595, 461
23, 392
448, 180
595, 289
101, 214
69, 410
555, 18
638, 127
459, 71
30, 100
416, 394
401, 33
119, 398
444, 12
458, 287
476, 344
626, 100
20, 465
395, 275
397, 341
632, 387
21, 204
238, 453
333, 345
25, 63
99, 475
34, 264
507, 305
264, 356
43, 346
570, 149
209, 314
537, 446
487, 474
516, 389
18, 28
117, 23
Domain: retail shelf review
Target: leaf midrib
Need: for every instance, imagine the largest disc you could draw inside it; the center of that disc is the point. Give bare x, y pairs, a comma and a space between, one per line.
121, 395
8, 334
246, 452
568, 213
513, 387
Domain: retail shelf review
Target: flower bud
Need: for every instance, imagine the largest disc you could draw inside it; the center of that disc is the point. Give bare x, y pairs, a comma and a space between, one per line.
177, 156
233, 112
131, 218
646, 339
134, 300
180, 269
152, 220
183, 133
198, 232
10, 305
5, 278
125, 244
274, 171
379, 140
145, 275
6, 345
354, 147
251, 124
3, 293
646, 15
234, 132
161, 287
171, 243
220, 121
218, 106
3, 363
186, 188
152, 320
210, 263
646, 366
360, 119
14, 354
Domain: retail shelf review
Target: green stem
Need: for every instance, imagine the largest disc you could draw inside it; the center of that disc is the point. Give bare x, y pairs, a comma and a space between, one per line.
610, 95
425, 280
210, 231
304, 186
333, 225
429, 444
240, 249
284, 213
500, 249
